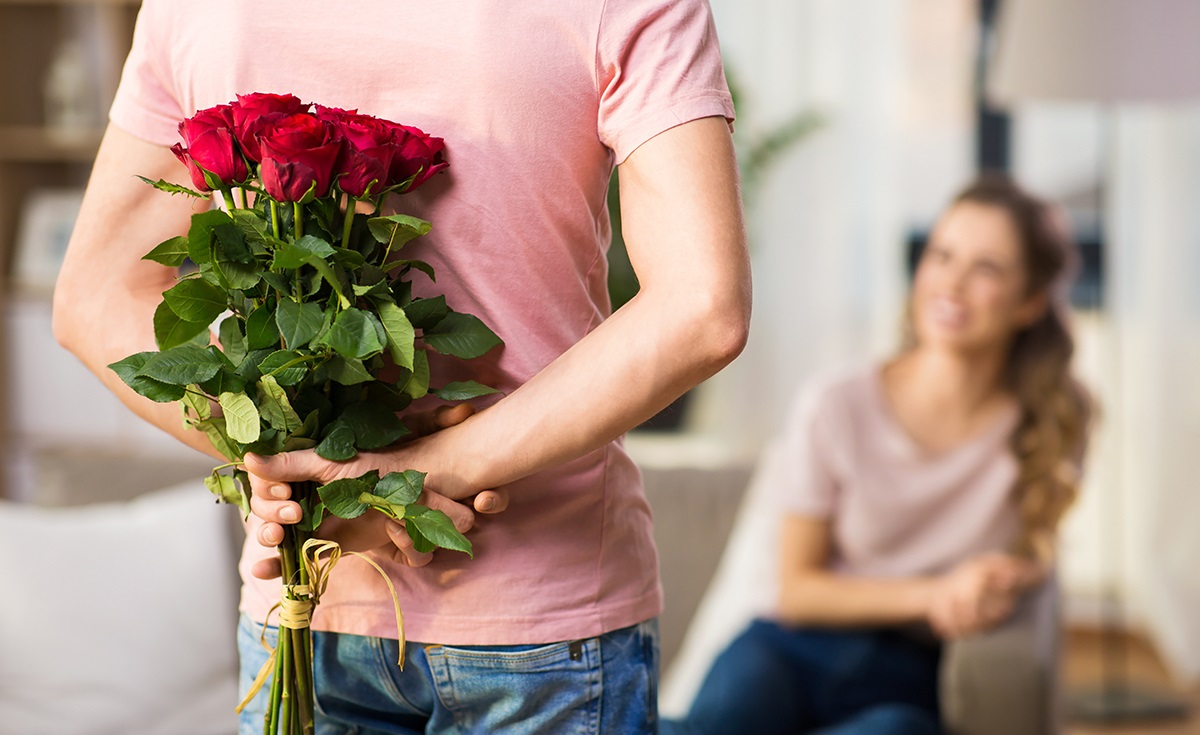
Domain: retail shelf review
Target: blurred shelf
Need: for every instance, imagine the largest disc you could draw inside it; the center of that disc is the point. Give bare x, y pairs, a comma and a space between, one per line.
32, 144
50, 3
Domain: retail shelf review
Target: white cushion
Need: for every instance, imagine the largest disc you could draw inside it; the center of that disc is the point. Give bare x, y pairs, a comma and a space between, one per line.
118, 618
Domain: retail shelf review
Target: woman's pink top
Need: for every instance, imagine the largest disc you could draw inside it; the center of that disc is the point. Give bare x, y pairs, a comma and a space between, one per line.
895, 508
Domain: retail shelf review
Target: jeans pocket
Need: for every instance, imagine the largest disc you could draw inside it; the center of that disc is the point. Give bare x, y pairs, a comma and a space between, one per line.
523, 690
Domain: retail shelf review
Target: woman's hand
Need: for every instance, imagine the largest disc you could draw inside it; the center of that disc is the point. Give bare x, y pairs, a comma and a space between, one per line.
979, 593
270, 478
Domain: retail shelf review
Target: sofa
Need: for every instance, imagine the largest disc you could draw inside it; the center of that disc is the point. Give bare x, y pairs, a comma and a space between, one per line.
120, 617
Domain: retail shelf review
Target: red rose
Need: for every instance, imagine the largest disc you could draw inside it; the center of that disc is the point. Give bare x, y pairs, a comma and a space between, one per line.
299, 153
211, 147
253, 113
368, 152
415, 154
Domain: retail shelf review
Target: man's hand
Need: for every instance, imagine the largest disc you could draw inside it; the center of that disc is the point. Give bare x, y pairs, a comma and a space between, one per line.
980, 593
270, 478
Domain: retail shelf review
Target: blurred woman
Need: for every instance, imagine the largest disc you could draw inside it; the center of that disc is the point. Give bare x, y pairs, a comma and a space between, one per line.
920, 495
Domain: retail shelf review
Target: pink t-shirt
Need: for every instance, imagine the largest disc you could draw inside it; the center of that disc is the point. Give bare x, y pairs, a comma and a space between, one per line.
895, 508
537, 102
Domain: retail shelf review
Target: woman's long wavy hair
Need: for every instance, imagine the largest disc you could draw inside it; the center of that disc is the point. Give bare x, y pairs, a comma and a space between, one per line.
1055, 409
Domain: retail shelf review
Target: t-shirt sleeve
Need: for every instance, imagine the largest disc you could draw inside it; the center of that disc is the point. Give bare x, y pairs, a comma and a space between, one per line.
658, 66
147, 104
806, 481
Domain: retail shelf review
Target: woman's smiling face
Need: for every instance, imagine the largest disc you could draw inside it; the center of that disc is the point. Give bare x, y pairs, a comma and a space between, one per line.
970, 291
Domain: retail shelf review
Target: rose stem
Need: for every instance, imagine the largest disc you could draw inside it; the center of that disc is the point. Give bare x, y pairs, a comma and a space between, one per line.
298, 220
348, 220
242, 196
275, 218
272, 716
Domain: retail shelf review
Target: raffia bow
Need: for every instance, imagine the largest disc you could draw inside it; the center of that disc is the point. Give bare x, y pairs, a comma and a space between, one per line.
297, 602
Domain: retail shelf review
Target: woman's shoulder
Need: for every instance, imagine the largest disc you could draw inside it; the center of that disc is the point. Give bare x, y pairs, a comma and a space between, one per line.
837, 396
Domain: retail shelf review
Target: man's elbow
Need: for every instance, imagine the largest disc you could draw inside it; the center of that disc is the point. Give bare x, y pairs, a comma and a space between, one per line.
65, 316
725, 324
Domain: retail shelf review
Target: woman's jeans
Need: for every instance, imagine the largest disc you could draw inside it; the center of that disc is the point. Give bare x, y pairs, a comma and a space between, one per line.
606, 685
781, 681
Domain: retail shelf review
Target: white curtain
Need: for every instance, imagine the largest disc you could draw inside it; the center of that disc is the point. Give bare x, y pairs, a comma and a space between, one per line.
1154, 404
828, 233
827, 227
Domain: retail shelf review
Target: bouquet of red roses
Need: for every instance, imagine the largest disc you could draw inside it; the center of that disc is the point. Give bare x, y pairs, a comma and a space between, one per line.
315, 308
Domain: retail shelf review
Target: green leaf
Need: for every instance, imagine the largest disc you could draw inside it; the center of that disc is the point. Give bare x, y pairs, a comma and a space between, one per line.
293, 443
353, 335
182, 365
400, 333
464, 391
238, 276
227, 491
401, 488
437, 527
274, 364
418, 383
214, 429
389, 396
170, 253
231, 243
275, 407
374, 426
338, 444
351, 260
312, 518
420, 543
171, 331
341, 496
225, 381
195, 300
298, 323
348, 372
197, 404
461, 335
128, 370
233, 342
261, 331
420, 265
304, 251
396, 230
241, 417
167, 186
200, 234
426, 313
374, 289
248, 369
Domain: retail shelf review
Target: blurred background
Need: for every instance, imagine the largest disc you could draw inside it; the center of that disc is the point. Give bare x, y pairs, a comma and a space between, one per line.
858, 120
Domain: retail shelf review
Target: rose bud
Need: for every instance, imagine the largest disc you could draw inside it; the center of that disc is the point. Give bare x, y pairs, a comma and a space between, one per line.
253, 113
216, 153
299, 153
416, 154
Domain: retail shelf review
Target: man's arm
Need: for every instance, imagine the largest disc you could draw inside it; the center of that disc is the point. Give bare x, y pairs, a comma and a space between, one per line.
683, 227
106, 294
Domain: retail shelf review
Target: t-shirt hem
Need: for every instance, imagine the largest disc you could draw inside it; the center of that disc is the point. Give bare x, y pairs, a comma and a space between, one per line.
711, 104
377, 620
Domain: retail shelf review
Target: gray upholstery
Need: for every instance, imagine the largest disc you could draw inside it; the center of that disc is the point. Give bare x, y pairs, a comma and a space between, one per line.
1005, 681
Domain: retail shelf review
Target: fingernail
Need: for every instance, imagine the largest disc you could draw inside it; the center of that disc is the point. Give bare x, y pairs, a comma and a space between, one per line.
280, 492
487, 504
289, 513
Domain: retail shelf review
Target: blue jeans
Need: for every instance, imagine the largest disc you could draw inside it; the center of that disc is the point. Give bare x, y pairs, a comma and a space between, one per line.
783, 681
602, 686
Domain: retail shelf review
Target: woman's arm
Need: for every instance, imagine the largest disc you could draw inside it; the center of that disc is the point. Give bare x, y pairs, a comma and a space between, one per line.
977, 594
809, 594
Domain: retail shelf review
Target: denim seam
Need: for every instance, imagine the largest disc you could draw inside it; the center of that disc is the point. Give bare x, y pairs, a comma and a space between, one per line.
383, 663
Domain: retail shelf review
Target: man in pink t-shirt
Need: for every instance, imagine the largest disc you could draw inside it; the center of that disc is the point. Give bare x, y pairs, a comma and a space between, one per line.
537, 104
